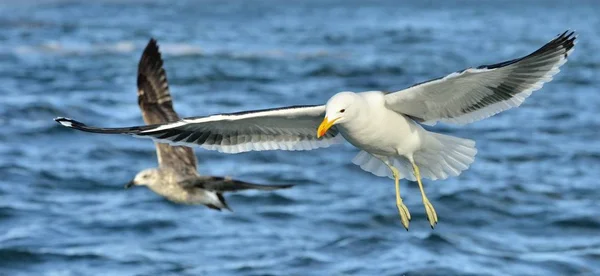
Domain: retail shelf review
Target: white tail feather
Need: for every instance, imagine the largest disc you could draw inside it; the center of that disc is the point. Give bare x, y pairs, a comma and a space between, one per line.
440, 157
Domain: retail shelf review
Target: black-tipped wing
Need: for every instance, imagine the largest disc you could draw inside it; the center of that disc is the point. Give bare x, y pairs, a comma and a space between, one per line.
289, 128
477, 93
224, 184
156, 105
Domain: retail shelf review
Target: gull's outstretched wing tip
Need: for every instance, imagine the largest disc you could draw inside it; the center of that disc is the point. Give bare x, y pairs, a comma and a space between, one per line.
152, 41
67, 122
565, 40
154, 97
571, 39
479, 92
568, 39
151, 51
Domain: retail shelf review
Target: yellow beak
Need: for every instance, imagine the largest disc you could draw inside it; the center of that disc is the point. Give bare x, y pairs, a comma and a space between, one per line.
324, 127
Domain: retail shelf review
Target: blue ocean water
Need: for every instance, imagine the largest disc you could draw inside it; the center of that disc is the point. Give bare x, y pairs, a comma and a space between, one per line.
529, 205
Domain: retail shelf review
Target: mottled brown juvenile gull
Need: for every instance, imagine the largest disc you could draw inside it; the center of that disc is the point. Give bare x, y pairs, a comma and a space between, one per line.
385, 126
176, 177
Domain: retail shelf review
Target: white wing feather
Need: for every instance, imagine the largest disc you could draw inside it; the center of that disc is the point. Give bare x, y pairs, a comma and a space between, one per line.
288, 128
477, 93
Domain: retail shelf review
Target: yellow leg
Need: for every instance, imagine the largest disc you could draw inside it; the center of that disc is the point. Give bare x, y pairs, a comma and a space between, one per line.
402, 209
431, 214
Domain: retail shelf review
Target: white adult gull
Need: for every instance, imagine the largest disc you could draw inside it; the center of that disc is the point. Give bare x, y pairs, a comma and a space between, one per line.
385, 126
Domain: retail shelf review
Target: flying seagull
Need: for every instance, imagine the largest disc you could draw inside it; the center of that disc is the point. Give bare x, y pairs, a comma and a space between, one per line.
385, 126
176, 177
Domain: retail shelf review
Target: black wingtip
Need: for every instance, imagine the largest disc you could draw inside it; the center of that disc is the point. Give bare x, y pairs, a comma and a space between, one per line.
563, 42
567, 40
152, 50
151, 59
152, 79
68, 122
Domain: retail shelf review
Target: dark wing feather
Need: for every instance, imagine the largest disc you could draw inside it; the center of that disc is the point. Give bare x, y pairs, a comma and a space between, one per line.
225, 184
156, 105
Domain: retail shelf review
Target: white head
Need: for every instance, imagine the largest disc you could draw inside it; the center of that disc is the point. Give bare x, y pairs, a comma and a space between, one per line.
147, 177
339, 109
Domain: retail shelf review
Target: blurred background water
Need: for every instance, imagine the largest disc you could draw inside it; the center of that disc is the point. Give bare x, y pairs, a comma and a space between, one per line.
528, 206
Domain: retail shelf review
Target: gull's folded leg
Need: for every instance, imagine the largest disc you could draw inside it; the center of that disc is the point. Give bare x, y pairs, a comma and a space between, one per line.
431, 214
402, 209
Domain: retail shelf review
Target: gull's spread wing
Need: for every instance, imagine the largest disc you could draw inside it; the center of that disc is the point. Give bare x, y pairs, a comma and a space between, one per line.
156, 105
288, 128
477, 93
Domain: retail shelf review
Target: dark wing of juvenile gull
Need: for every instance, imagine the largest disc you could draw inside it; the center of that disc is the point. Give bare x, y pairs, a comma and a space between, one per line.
288, 128
477, 93
156, 105
224, 184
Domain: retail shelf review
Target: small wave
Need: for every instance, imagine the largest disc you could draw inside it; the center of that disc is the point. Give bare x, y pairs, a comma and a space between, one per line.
167, 49
309, 259
560, 115
180, 238
277, 214
7, 212
278, 54
271, 198
354, 242
27, 23
75, 49
436, 239
148, 225
180, 49
578, 222
329, 70
437, 271
524, 158
593, 157
141, 226
29, 109
510, 140
15, 256
219, 75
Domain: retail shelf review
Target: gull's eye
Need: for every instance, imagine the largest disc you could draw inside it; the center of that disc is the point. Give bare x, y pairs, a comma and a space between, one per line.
343, 110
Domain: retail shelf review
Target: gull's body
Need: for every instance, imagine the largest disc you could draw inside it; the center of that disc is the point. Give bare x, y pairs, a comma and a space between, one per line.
385, 126
167, 182
366, 132
191, 188
176, 178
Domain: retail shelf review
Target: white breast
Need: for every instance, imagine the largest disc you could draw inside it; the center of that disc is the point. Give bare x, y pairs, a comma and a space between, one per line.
379, 130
